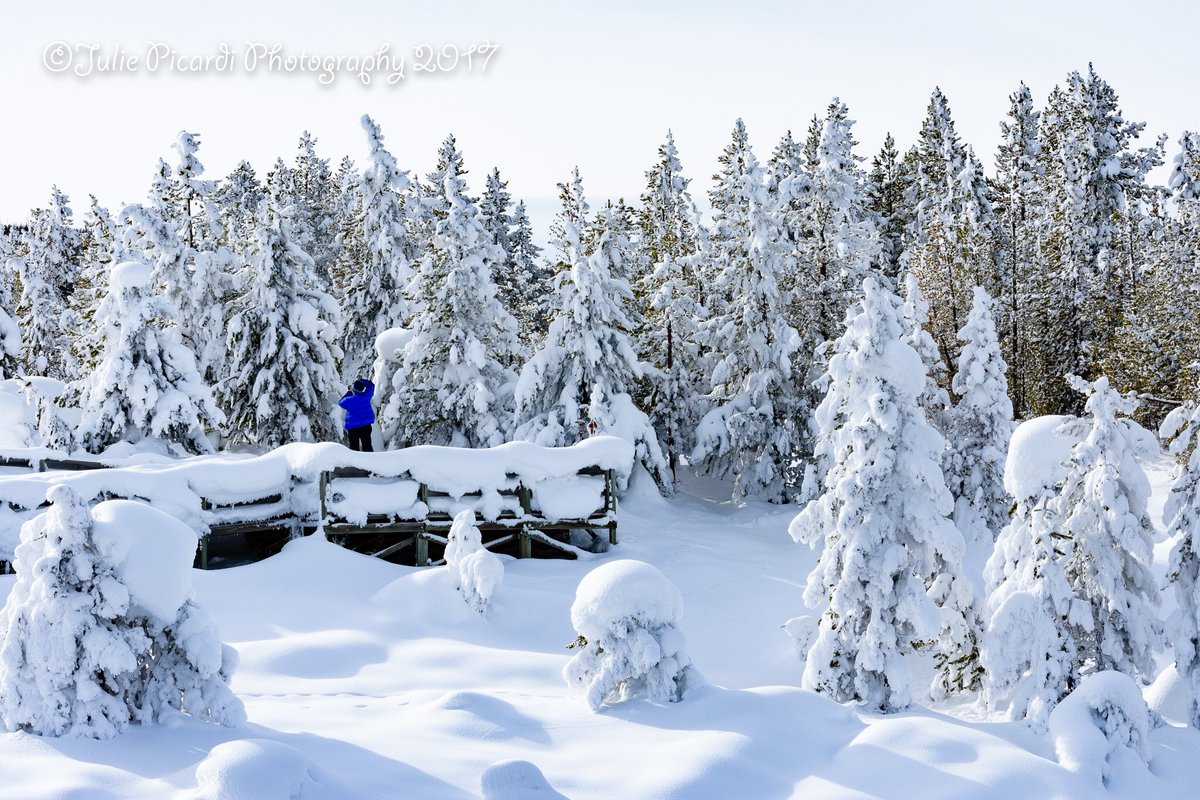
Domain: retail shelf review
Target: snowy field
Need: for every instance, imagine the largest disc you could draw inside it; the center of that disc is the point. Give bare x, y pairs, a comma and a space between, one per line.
362, 679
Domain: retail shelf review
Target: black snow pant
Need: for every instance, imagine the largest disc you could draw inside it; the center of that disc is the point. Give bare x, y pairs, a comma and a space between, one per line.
360, 438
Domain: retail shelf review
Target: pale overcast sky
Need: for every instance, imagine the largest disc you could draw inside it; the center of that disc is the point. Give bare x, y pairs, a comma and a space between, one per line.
594, 84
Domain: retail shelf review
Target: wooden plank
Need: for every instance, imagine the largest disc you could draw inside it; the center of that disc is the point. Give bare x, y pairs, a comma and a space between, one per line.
387, 551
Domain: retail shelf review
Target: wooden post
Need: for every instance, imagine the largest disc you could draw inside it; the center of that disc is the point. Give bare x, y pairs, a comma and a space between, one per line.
204, 551
524, 543
322, 485
422, 548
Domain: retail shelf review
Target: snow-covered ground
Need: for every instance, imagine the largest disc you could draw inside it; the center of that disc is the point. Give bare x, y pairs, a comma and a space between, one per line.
365, 679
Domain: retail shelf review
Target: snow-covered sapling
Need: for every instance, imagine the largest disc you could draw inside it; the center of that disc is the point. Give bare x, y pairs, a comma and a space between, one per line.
99, 630
627, 615
478, 570
1105, 720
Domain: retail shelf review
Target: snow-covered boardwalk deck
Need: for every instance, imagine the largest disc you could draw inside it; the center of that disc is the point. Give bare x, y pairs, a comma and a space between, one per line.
387, 504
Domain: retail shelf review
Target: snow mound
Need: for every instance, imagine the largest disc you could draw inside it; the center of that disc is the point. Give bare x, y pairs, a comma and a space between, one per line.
1038, 454
1104, 722
129, 275
1170, 696
254, 769
390, 344
152, 553
618, 591
516, 780
569, 497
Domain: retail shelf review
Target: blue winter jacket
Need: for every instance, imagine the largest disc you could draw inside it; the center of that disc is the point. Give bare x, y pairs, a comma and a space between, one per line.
358, 407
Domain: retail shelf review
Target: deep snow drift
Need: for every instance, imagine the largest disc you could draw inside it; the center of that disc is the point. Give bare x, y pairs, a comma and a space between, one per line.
363, 679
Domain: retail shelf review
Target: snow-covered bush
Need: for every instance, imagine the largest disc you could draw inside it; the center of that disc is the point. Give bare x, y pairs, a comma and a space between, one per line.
1104, 720
99, 630
516, 780
627, 615
479, 571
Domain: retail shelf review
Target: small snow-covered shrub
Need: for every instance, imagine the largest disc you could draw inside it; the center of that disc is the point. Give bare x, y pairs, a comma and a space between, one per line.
99, 630
479, 570
1105, 718
802, 630
516, 780
627, 615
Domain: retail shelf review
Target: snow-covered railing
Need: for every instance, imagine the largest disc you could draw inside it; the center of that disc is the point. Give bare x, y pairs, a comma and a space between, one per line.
211, 493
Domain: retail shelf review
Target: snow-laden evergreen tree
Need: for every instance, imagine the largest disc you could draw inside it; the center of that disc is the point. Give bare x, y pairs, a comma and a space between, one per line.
315, 204
520, 283
10, 335
453, 385
588, 345
79, 656
103, 249
753, 431
841, 244
238, 197
1094, 182
375, 287
1181, 516
949, 246
47, 274
980, 428
533, 313
583, 373
1103, 511
884, 195
1019, 172
914, 315
669, 339
281, 345
146, 384
1028, 652
888, 548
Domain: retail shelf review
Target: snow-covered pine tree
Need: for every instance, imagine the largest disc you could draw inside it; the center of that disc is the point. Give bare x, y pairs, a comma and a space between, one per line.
914, 315
315, 201
281, 344
375, 287
1029, 655
1093, 185
533, 317
1019, 172
1181, 516
889, 551
520, 283
884, 196
453, 385
981, 426
669, 338
950, 244
842, 243
586, 366
1103, 511
10, 332
146, 384
80, 656
753, 431
47, 273
238, 198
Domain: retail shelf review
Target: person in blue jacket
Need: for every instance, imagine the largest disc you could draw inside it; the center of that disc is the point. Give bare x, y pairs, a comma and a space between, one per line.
360, 415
